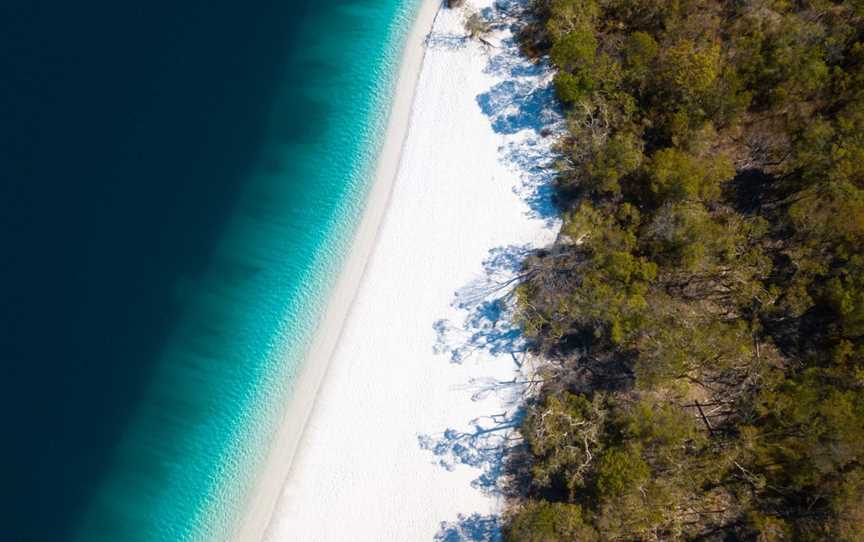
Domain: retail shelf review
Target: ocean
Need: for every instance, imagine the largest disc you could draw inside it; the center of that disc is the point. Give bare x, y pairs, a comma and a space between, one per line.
179, 184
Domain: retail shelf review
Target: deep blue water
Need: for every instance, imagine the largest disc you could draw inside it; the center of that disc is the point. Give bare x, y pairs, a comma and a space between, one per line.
178, 183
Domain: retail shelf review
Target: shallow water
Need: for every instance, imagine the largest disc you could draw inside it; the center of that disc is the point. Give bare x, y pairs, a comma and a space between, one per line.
179, 185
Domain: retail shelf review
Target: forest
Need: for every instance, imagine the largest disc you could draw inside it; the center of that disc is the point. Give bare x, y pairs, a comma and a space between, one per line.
701, 313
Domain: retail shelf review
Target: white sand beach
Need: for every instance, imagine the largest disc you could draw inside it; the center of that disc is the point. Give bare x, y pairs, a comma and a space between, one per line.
405, 438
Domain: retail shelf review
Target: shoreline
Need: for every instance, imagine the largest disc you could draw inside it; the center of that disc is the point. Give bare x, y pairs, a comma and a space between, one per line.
258, 510
409, 427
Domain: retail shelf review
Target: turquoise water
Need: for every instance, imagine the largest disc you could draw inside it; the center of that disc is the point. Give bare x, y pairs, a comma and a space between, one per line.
185, 459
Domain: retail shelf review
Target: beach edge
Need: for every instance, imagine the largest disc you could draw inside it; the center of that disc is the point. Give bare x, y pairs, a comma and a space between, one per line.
258, 510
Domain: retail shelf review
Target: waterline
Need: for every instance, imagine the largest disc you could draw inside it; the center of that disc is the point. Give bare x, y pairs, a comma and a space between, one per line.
184, 465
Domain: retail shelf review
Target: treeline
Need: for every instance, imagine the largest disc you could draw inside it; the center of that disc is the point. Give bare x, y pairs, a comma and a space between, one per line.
702, 311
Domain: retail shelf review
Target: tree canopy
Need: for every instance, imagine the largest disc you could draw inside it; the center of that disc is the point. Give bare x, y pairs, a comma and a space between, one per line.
702, 312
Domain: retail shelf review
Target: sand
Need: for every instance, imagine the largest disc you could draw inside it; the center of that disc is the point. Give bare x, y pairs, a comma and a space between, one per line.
259, 509
422, 383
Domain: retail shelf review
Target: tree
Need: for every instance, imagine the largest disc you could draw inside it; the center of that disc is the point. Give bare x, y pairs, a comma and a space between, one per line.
549, 522
620, 156
621, 471
700, 319
675, 175
639, 52
689, 71
562, 435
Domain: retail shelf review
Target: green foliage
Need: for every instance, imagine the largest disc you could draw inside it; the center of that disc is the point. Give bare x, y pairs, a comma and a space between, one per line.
571, 88
640, 50
845, 294
768, 528
848, 508
686, 235
619, 157
621, 471
781, 55
575, 51
829, 156
643, 15
568, 15
819, 427
608, 294
561, 433
549, 522
665, 432
682, 345
689, 70
678, 176
580, 70
703, 307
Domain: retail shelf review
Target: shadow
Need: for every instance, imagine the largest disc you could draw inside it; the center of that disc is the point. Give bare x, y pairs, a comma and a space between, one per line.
536, 164
522, 111
446, 41
485, 301
483, 447
488, 328
473, 528
515, 105
522, 106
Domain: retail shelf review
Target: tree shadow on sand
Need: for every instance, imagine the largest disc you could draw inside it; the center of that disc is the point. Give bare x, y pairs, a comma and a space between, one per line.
522, 110
522, 106
474, 528
482, 447
485, 301
488, 329
441, 40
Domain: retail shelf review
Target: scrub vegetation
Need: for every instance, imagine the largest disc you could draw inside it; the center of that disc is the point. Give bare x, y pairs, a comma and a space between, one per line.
701, 314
